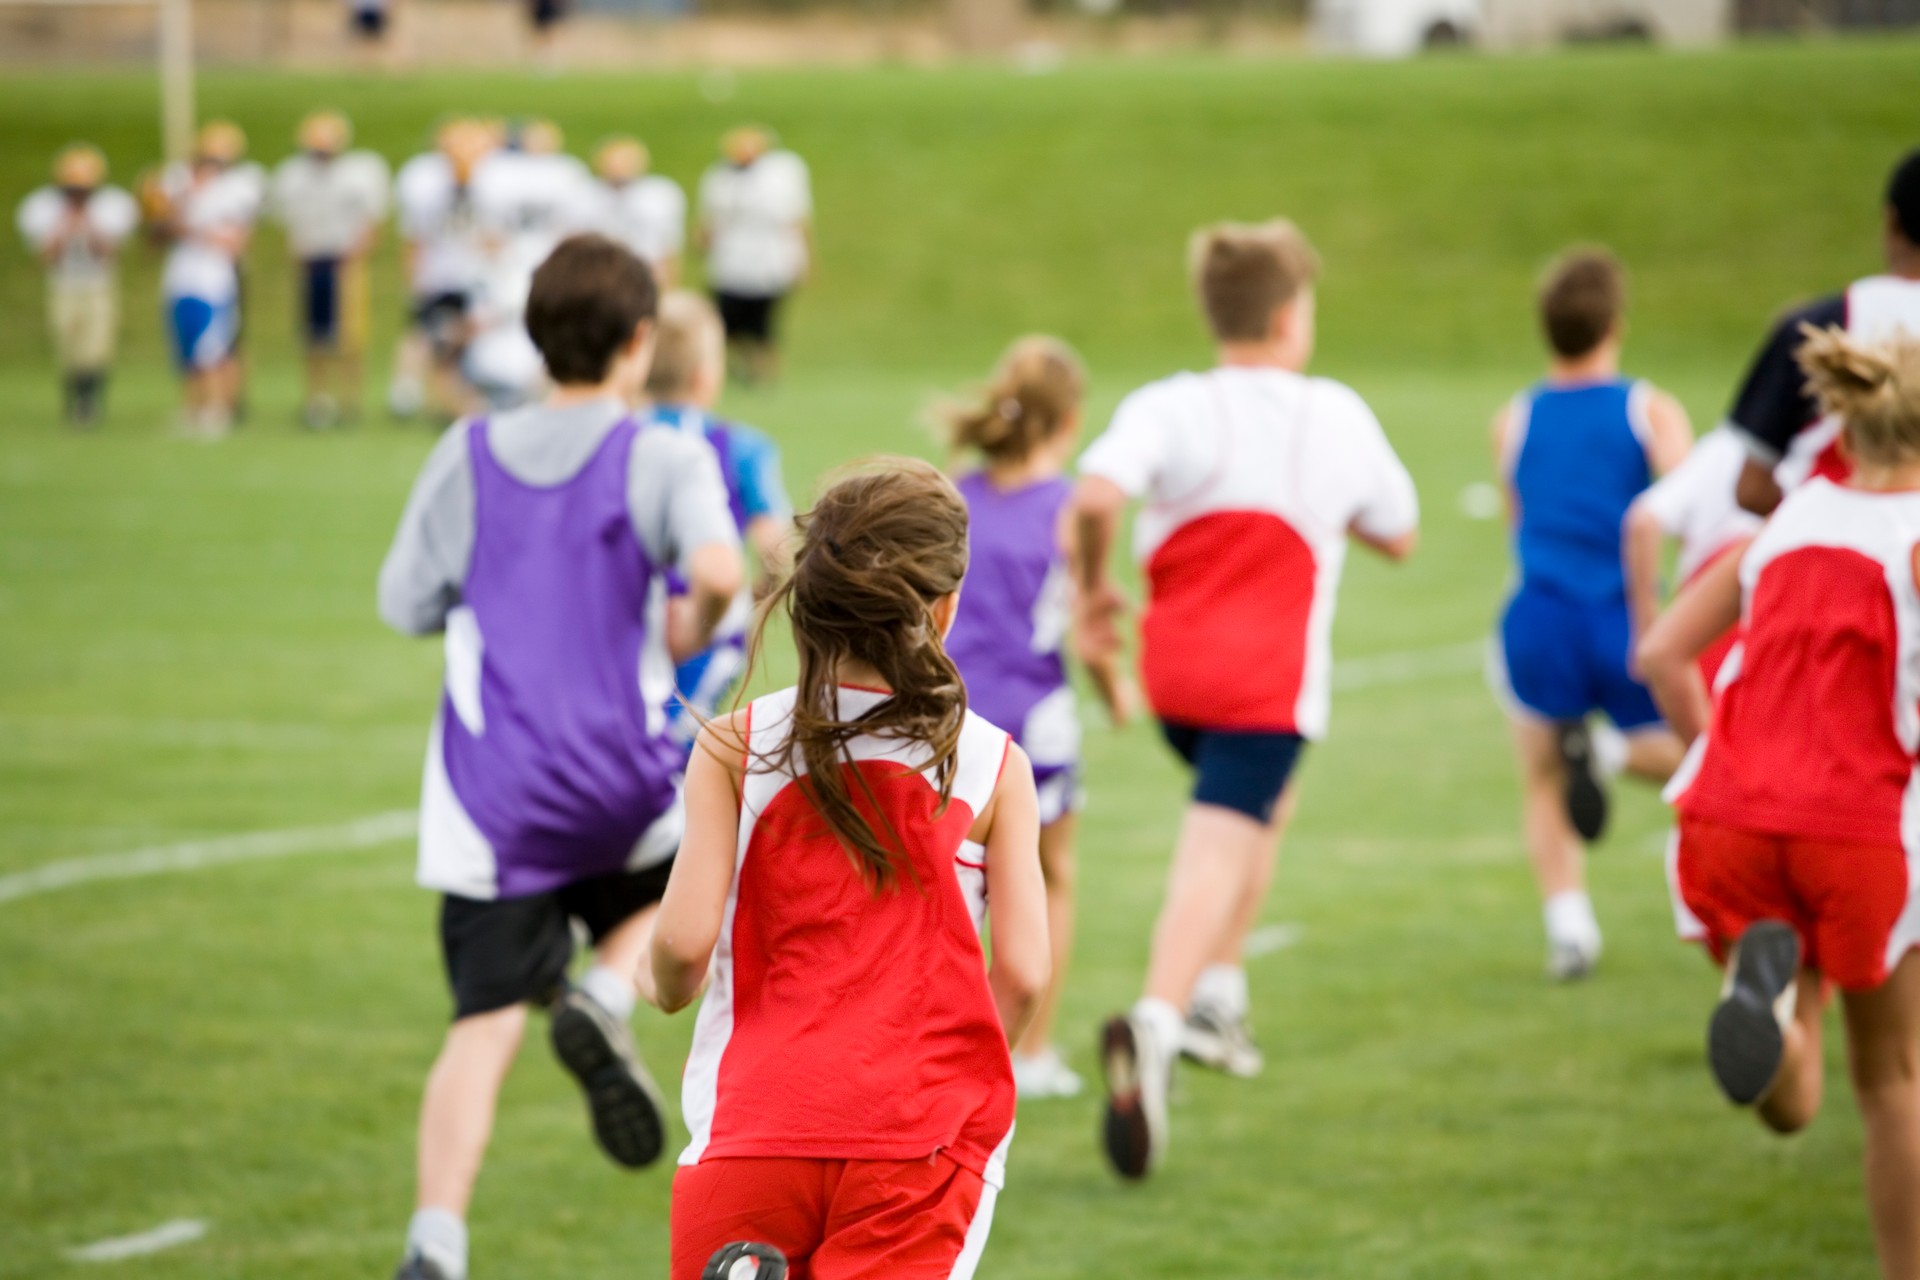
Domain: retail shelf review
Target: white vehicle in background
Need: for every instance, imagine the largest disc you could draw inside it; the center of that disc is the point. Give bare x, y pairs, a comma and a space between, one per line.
1402, 28
1393, 28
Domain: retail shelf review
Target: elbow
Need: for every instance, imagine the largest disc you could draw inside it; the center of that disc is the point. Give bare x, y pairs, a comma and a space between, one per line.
1658, 659
1756, 490
1023, 980
1098, 498
721, 572
1401, 549
676, 974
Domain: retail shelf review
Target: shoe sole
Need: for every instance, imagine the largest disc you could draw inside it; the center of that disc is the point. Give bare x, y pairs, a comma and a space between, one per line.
1745, 1045
1124, 1131
629, 1118
1585, 798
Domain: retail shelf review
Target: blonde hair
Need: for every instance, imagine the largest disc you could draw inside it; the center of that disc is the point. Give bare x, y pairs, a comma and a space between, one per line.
1244, 272
1874, 388
688, 338
1036, 389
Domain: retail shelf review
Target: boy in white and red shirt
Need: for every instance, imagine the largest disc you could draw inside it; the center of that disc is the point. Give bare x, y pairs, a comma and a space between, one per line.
1253, 476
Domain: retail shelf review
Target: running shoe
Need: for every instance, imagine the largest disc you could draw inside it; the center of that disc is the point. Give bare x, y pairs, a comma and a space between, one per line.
1045, 1075
745, 1261
1586, 792
1747, 1036
629, 1117
1570, 960
1221, 1042
1134, 1126
417, 1267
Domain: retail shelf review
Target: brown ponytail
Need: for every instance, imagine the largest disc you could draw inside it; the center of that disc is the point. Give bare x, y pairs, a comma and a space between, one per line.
1035, 390
1874, 388
876, 551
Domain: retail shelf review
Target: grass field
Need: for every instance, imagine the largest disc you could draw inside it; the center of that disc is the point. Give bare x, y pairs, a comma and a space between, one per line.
188, 649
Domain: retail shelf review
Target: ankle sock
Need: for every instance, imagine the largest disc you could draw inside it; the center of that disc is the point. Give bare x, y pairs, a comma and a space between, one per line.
440, 1237
610, 991
1609, 749
1223, 988
1163, 1020
1570, 919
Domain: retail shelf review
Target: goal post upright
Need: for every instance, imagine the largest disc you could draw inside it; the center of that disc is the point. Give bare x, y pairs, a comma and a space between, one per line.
176, 77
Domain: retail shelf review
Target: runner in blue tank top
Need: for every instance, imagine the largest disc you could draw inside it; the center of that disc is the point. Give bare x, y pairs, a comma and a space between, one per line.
1010, 631
1575, 451
689, 371
539, 542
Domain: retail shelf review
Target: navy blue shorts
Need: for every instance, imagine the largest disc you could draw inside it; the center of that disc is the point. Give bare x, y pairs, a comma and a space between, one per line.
320, 301
1562, 659
1240, 769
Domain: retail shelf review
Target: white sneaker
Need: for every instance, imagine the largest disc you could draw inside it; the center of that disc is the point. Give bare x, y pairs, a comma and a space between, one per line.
1045, 1075
1137, 1067
1222, 1042
1571, 959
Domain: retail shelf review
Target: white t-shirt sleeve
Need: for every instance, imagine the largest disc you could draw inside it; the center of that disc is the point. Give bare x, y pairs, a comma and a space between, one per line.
1386, 503
39, 218
1671, 497
1135, 449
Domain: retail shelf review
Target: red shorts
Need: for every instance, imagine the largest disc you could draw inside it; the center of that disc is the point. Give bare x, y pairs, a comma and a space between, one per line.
1846, 900
835, 1219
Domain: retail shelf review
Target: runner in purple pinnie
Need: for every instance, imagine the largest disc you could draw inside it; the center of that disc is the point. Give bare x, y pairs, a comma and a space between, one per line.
539, 542
1010, 636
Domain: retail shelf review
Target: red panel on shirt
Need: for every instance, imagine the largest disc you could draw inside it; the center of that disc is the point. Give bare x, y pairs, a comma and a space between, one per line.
1224, 638
863, 1026
1803, 743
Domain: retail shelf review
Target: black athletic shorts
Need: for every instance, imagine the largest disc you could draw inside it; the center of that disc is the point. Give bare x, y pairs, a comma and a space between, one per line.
747, 315
320, 301
370, 23
443, 318
1239, 769
509, 951
547, 12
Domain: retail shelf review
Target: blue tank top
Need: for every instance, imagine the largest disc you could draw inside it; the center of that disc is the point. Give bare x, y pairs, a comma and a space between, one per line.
1578, 465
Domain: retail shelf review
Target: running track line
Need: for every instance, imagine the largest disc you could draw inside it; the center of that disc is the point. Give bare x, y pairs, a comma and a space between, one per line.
165, 1236
1403, 667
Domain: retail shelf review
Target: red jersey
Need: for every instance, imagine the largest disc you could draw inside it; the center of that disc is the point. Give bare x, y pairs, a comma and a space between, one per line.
843, 1024
1817, 723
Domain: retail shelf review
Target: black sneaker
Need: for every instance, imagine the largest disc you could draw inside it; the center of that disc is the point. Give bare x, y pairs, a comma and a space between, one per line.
629, 1118
416, 1267
1585, 795
1746, 1038
746, 1261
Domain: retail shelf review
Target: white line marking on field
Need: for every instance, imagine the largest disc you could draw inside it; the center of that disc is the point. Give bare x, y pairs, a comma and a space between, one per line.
1408, 665
165, 1236
191, 855
1269, 938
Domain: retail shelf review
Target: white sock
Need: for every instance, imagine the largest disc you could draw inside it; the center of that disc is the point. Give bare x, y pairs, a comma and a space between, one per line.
610, 991
1570, 919
1166, 1023
441, 1238
1223, 988
1609, 749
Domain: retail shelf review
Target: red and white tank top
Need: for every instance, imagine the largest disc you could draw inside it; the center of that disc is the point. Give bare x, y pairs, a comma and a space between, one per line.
842, 1023
1817, 723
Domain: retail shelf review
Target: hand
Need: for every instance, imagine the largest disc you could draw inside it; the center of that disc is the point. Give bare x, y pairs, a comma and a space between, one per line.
1096, 625
685, 635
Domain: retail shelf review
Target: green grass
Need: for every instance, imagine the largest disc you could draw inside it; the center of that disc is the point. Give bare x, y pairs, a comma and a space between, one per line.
187, 647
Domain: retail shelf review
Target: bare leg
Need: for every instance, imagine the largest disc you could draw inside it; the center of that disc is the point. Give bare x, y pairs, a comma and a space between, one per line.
1883, 1043
1058, 864
1559, 865
1794, 1100
1654, 754
1216, 860
456, 1117
624, 952
1231, 948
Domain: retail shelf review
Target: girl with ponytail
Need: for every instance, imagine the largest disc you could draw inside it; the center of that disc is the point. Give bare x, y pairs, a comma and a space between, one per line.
1009, 640
850, 1091
1792, 859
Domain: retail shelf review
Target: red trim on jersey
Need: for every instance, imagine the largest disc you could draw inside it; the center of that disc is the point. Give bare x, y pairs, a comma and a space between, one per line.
866, 688
746, 742
863, 1026
1803, 743
1225, 634
977, 866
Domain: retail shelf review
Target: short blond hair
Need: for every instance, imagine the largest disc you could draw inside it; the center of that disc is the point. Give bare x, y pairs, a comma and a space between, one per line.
688, 339
1874, 389
1244, 272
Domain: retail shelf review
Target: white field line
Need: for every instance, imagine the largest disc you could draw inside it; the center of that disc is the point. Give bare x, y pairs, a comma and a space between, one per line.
1269, 938
1403, 667
1408, 665
165, 1236
191, 855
